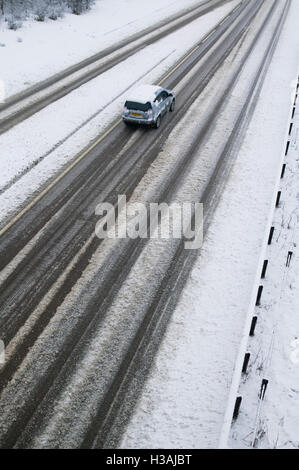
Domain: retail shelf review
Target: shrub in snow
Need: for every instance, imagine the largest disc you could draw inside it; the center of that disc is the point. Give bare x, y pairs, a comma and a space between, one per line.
55, 9
14, 11
41, 10
78, 6
13, 23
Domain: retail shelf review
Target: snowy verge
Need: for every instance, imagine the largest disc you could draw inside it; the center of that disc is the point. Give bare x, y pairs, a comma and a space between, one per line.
252, 306
272, 422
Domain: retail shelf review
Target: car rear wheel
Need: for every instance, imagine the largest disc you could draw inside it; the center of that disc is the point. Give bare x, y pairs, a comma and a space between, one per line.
158, 122
172, 106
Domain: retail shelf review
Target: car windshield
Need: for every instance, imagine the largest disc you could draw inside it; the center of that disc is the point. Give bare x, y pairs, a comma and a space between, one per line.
137, 106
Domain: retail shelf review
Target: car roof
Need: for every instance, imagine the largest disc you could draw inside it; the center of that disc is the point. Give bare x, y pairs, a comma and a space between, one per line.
144, 93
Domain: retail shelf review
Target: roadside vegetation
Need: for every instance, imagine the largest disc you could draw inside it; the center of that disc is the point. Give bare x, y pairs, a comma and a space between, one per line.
14, 12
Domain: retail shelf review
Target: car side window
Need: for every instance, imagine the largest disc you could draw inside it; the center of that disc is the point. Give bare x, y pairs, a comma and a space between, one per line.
159, 98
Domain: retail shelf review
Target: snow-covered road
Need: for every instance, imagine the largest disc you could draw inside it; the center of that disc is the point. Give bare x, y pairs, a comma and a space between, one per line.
83, 319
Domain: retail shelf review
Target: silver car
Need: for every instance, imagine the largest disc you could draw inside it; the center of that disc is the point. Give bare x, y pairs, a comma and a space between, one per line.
147, 104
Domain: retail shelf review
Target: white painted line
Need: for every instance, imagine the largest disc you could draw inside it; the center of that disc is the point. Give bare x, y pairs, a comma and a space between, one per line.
209, 35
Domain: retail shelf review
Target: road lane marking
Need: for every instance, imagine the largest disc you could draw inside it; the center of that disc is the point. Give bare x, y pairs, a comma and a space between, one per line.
207, 37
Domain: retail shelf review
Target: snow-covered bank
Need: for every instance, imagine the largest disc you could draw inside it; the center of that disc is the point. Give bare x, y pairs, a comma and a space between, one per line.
272, 422
184, 401
41, 49
43, 144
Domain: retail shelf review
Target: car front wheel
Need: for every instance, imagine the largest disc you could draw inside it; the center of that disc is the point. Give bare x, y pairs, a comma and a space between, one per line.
172, 106
158, 122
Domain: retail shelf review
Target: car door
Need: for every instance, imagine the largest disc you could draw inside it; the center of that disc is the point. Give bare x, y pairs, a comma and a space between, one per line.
159, 104
165, 102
